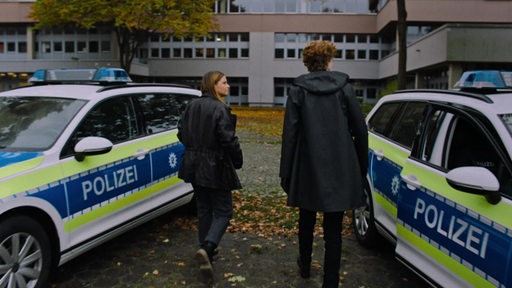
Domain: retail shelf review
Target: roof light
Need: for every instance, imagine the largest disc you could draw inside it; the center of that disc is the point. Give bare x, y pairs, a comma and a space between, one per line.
102, 75
484, 79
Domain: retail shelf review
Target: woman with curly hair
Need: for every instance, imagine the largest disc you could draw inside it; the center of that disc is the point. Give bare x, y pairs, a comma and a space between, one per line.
324, 155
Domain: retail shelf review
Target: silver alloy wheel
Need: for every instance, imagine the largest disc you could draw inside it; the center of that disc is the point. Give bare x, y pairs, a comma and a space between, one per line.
21, 261
362, 218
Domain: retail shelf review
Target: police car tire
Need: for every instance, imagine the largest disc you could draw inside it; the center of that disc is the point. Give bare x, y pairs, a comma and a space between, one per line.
369, 237
19, 228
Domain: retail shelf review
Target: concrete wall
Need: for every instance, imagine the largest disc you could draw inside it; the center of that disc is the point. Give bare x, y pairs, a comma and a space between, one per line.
455, 43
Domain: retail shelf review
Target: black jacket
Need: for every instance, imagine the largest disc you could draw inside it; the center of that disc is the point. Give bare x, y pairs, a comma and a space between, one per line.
325, 144
212, 152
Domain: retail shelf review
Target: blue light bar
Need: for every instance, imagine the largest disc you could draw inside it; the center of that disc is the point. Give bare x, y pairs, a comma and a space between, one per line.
101, 75
485, 79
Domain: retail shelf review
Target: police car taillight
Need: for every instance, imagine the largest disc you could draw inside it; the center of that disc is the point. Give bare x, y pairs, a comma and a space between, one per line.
99, 75
485, 79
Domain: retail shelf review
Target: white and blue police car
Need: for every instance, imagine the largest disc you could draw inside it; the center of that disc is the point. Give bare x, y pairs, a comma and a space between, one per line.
81, 161
439, 183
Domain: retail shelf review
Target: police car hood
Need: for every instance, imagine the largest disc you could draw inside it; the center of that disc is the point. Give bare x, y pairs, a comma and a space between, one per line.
14, 162
322, 82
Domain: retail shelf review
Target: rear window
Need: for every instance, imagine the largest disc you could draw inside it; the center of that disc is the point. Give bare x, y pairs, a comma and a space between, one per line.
382, 118
398, 121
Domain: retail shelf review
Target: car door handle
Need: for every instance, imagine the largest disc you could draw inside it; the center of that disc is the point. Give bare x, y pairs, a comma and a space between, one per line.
140, 154
379, 154
411, 181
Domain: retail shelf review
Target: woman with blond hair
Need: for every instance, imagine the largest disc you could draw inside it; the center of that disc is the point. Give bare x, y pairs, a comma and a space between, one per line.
324, 155
212, 153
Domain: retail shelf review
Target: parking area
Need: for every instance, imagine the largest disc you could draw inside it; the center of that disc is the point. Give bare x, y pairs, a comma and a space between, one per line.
160, 253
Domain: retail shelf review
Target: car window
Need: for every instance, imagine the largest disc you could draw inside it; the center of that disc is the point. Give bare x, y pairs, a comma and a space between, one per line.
380, 121
113, 119
453, 141
162, 112
34, 123
406, 126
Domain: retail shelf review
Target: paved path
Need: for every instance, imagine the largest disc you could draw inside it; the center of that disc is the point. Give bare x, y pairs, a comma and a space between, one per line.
160, 253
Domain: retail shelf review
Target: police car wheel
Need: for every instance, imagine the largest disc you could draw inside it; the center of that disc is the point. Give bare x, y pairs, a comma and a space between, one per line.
25, 257
364, 222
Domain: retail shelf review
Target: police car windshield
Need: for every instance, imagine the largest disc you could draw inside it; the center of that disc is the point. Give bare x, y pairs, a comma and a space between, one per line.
34, 123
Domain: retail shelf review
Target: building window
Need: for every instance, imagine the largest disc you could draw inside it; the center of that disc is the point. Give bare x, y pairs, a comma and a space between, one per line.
187, 53
281, 88
166, 53
176, 53
361, 54
69, 47
81, 46
350, 54
210, 53
57, 47
221, 53
339, 54
233, 53
279, 53
374, 54
290, 53
155, 53
199, 53
46, 47
94, 47
11, 47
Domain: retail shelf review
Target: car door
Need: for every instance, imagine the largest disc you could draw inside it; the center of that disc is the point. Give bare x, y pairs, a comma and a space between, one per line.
391, 133
138, 178
456, 238
100, 188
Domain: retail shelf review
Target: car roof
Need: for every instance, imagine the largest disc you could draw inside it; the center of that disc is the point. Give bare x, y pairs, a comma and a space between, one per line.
498, 103
96, 92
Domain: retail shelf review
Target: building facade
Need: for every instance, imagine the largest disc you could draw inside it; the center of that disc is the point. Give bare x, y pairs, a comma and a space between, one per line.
259, 45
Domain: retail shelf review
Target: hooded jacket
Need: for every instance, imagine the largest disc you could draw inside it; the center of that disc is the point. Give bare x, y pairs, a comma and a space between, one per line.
212, 151
324, 154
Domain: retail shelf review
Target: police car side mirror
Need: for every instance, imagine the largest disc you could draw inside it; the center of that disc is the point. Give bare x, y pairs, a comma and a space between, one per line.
92, 146
475, 180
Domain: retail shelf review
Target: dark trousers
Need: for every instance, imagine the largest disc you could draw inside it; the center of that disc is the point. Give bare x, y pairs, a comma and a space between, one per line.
332, 225
214, 210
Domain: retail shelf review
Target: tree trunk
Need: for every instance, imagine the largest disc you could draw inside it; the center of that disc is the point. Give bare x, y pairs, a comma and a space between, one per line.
402, 45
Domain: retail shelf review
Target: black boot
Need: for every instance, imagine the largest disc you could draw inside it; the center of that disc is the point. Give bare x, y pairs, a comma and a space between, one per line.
204, 256
304, 268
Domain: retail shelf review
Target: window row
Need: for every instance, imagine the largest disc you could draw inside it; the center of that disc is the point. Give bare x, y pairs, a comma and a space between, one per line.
292, 6
303, 38
73, 46
212, 37
347, 54
13, 47
13, 31
193, 53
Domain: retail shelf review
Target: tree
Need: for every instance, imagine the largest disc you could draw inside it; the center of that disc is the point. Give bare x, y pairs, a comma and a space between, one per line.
132, 20
402, 44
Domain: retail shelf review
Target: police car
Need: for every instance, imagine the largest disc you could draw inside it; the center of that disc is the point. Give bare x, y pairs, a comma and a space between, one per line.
439, 183
81, 163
